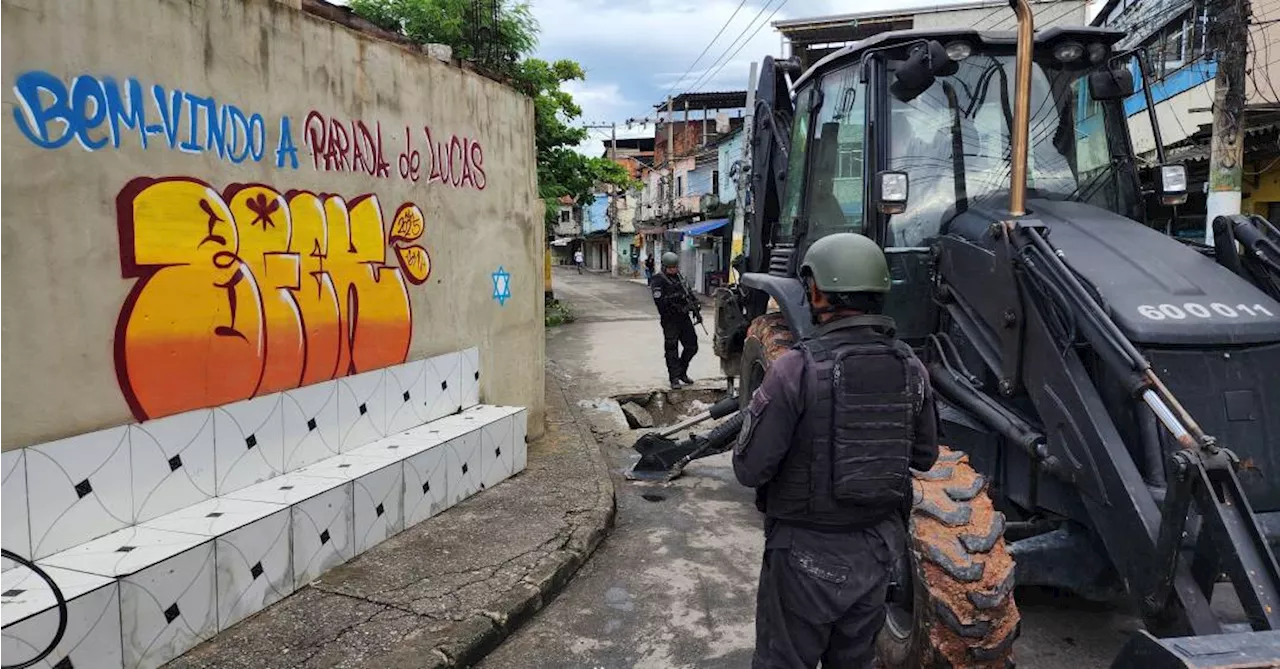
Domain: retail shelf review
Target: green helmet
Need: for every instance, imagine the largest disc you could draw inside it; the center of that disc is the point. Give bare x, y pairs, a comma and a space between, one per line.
847, 263
670, 259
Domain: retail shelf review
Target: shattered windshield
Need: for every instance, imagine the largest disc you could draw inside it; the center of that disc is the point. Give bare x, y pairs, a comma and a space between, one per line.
953, 141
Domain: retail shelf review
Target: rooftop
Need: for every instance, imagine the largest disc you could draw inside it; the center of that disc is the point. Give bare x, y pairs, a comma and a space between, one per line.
707, 100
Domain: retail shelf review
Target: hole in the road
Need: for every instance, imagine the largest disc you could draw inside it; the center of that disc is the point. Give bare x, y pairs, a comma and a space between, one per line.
666, 407
652, 497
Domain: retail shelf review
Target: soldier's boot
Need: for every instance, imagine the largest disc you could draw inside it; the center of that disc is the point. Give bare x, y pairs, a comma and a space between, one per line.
684, 378
677, 383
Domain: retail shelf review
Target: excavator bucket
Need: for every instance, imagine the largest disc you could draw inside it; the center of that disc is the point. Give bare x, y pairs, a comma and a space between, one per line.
663, 459
1244, 650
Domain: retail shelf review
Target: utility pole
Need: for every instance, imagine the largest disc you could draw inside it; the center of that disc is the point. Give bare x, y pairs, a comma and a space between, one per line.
743, 178
613, 202
671, 158
1226, 168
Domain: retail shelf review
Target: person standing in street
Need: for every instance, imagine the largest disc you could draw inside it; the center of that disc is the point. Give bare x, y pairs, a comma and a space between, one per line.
648, 267
578, 260
828, 442
679, 339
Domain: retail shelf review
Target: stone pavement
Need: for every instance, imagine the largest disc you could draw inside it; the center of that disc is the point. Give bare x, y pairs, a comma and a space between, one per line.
448, 590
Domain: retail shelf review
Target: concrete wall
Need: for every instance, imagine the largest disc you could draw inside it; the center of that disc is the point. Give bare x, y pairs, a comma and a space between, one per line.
151, 268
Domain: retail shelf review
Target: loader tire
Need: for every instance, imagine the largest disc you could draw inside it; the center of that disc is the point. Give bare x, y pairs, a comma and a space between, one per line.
768, 337
962, 612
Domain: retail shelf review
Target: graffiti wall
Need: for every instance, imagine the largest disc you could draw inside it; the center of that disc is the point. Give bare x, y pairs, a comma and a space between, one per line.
280, 201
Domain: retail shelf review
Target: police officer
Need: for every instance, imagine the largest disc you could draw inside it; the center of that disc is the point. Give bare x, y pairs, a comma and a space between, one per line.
827, 442
672, 299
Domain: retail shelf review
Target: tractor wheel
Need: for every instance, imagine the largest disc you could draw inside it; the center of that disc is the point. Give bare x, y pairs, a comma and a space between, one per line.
768, 337
956, 608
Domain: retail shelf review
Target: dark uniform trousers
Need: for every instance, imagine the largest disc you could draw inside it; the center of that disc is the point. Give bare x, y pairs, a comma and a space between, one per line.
822, 595
678, 334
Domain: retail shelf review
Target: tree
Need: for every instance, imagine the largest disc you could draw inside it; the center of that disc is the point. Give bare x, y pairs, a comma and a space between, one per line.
504, 45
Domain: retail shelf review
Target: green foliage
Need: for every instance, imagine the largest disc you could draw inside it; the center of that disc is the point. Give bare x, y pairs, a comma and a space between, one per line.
561, 170
558, 313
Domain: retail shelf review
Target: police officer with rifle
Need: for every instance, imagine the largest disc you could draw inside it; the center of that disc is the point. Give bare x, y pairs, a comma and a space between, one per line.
827, 442
676, 305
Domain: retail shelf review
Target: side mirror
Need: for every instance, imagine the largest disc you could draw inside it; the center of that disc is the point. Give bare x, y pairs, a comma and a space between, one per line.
1111, 84
890, 194
1171, 184
915, 75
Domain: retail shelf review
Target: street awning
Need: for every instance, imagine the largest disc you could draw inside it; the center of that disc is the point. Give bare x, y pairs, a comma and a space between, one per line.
703, 227
563, 241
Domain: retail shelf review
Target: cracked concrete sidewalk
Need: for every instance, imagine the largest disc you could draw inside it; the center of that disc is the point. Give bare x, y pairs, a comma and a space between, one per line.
445, 592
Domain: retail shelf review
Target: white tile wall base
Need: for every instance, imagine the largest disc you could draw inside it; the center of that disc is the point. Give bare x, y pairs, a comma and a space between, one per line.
92, 637
164, 533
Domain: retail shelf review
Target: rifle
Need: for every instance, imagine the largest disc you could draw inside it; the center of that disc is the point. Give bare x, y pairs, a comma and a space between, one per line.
694, 306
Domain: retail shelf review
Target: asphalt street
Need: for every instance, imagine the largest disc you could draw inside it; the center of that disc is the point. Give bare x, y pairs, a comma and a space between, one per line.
674, 585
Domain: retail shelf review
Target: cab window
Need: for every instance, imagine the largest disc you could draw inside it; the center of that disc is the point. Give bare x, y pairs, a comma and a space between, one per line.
835, 175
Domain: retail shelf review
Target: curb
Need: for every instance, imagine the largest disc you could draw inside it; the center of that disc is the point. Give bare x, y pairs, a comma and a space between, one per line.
469, 640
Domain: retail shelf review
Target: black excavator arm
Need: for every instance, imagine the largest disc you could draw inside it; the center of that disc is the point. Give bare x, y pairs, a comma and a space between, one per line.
1260, 261
1043, 311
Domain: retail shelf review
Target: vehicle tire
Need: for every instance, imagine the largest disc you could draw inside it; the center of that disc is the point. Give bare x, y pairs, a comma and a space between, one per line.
962, 612
768, 337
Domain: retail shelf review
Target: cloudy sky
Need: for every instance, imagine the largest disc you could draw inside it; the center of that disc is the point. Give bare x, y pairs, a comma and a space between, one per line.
636, 52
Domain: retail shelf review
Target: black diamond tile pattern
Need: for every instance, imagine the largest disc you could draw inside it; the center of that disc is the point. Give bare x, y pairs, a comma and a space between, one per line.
477, 376
444, 385
497, 452
83, 488
256, 570
379, 510
124, 549
175, 462
426, 487
324, 537
12, 593
286, 487
171, 614
464, 468
363, 409
311, 424
64, 663
215, 514
251, 441
406, 396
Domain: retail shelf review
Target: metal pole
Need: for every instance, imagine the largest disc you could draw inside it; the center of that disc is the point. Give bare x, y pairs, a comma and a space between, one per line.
613, 203
671, 153
1021, 106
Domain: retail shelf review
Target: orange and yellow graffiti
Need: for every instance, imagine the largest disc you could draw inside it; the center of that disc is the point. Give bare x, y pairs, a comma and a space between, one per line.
250, 291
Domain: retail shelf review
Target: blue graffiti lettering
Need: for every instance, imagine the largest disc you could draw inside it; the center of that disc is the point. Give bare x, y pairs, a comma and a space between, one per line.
286, 147
33, 116
132, 113
97, 111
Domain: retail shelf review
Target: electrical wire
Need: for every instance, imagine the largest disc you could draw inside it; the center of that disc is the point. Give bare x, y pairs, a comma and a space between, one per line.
745, 42
60, 601
737, 41
705, 49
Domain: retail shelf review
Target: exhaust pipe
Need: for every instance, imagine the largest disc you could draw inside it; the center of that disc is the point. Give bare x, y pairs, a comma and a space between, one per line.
1021, 106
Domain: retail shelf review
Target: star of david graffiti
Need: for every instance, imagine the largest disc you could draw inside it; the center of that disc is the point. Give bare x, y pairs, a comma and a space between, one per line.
501, 286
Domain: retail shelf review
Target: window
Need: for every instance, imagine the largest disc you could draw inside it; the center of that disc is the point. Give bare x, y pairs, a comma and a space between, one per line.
680, 186
835, 176
795, 163
715, 182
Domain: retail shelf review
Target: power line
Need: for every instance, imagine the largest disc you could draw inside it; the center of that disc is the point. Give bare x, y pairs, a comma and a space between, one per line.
706, 48
711, 78
734, 42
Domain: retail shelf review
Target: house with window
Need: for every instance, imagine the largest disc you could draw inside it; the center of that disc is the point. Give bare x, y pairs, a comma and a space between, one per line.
1176, 40
566, 235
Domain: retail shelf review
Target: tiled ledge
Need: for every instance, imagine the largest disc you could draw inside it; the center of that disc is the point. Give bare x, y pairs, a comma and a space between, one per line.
162, 533
141, 596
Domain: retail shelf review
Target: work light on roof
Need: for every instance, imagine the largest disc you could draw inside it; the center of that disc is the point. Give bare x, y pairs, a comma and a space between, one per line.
1068, 52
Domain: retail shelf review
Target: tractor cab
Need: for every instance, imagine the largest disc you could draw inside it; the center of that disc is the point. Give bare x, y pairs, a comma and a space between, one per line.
898, 135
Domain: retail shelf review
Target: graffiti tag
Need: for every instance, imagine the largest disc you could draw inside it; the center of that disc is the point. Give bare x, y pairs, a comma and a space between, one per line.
251, 291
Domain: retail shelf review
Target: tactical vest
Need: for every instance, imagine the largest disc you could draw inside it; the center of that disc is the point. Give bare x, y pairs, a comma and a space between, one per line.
849, 464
